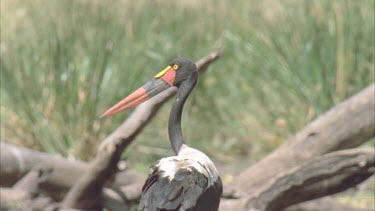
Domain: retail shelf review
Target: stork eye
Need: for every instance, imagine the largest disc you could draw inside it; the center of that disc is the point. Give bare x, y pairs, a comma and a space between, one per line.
175, 67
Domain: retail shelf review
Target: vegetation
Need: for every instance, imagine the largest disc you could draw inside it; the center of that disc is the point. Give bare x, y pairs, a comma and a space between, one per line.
63, 63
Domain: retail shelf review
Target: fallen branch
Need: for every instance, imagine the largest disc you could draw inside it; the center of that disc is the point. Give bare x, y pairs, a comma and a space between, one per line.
25, 193
323, 204
347, 125
15, 199
87, 192
16, 161
322, 176
319, 177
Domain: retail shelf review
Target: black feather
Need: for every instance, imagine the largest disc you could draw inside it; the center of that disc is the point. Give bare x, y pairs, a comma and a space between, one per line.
182, 192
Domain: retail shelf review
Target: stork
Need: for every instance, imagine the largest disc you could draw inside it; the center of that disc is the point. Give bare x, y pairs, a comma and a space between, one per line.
189, 180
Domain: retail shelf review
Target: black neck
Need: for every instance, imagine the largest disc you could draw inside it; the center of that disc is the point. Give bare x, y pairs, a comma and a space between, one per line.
174, 126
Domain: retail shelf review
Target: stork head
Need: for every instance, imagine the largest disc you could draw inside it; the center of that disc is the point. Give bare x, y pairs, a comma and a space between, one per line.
178, 70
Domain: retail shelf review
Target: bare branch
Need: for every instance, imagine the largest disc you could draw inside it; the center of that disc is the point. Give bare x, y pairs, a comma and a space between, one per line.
25, 193
62, 173
17, 161
322, 176
323, 204
86, 194
319, 177
344, 126
347, 125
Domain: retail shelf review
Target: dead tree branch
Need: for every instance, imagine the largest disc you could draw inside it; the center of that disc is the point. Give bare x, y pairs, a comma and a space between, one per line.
16, 162
347, 125
319, 177
86, 194
322, 176
26, 193
323, 204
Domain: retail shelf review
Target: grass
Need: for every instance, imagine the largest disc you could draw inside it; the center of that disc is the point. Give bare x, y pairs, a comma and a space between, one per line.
65, 62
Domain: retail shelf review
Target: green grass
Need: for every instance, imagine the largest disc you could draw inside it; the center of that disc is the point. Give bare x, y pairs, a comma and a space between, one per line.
65, 62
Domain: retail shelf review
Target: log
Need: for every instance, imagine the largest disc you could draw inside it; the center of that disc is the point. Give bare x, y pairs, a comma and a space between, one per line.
87, 193
25, 193
16, 161
10, 198
321, 176
15, 199
347, 125
323, 204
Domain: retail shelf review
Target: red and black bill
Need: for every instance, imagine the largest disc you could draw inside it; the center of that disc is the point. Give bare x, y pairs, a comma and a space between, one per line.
161, 82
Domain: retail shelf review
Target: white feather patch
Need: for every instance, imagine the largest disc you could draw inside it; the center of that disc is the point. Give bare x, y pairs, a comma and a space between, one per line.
188, 158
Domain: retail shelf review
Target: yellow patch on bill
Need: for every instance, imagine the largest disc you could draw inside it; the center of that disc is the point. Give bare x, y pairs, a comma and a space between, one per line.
162, 72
